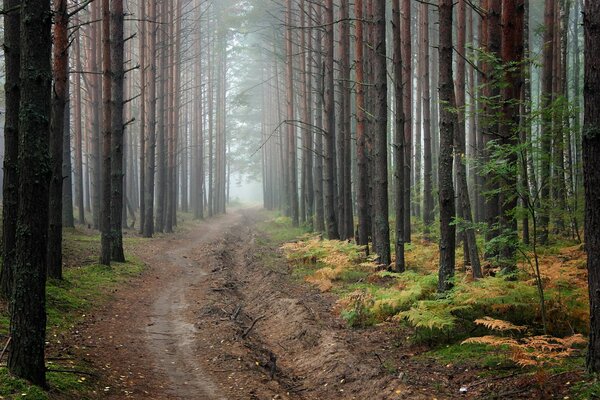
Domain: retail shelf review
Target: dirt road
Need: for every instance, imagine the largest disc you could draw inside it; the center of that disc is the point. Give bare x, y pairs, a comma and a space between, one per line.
209, 320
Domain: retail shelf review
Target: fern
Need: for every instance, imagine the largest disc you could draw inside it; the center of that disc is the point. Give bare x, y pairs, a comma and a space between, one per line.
534, 350
499, 325
432, 314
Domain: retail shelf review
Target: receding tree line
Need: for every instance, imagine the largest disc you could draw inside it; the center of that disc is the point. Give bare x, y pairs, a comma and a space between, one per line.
115, 118
378, 107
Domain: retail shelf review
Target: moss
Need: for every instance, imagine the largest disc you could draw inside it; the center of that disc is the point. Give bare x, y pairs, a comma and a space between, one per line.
85, 285
13, 388
468, 354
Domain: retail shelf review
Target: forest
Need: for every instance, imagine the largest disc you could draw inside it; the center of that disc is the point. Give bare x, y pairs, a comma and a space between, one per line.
300, 199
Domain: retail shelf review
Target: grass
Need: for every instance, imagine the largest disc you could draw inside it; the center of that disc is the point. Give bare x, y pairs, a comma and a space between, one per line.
467, 355
86, 285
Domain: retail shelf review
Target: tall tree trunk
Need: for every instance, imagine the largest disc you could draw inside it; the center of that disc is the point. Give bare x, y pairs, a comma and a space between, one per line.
151, 127
381, 229
10, 190
447, 126
591, 172
491, 133
512, 53
95, 65
427, 148
77, 125
546, 127
105, 225
68, 217
60, 72
320, 129
408, 103
399, 151
308, 104
117, 127
329, 114
472, 253
291, 129
142, 115
345, 220
28, 316
362, 186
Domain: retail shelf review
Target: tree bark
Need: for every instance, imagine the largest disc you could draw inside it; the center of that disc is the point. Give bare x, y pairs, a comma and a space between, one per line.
472, 253
105, 225
447, 126
77, 125
68, 216
28, 316
329, 115
591, 172
427, 148
512, 53
10, 192
60, 71
320, 131
399, 151
546, 126
151, 127
291, 129
142, 114
381, 232
361, 152
117, 172
408, 119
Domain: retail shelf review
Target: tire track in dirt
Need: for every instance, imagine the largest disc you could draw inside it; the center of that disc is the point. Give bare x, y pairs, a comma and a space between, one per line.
208, 320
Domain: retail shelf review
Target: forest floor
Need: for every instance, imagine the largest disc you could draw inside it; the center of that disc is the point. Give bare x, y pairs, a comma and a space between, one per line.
218, 313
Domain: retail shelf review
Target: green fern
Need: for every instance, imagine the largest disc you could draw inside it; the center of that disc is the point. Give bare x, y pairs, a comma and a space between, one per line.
432, 314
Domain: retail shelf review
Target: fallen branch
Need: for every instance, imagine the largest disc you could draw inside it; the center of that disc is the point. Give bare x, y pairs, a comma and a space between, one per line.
5, 347
72, 371
247, 332
236, 313
497, 378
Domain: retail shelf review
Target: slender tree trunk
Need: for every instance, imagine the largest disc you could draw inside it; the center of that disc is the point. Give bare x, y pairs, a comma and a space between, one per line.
105, 225
546, 127
512, 52
95, 65
142, 115
320, 131
291, 129
399, 151
346, 217
329, 114
151, 127
381, 232
10, 192
308, 85
447, 126
68, 217
77, 125
28, 316
591, 172
117, 172
427, 148
57, 124
472, 253
407, 86
361, 152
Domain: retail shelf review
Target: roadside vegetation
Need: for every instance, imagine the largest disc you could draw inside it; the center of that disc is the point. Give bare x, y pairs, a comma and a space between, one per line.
493, 324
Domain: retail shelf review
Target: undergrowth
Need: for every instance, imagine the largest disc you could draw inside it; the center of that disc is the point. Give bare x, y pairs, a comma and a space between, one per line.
491, 322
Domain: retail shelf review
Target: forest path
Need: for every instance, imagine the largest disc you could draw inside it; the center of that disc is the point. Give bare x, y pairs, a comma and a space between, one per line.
217, 316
